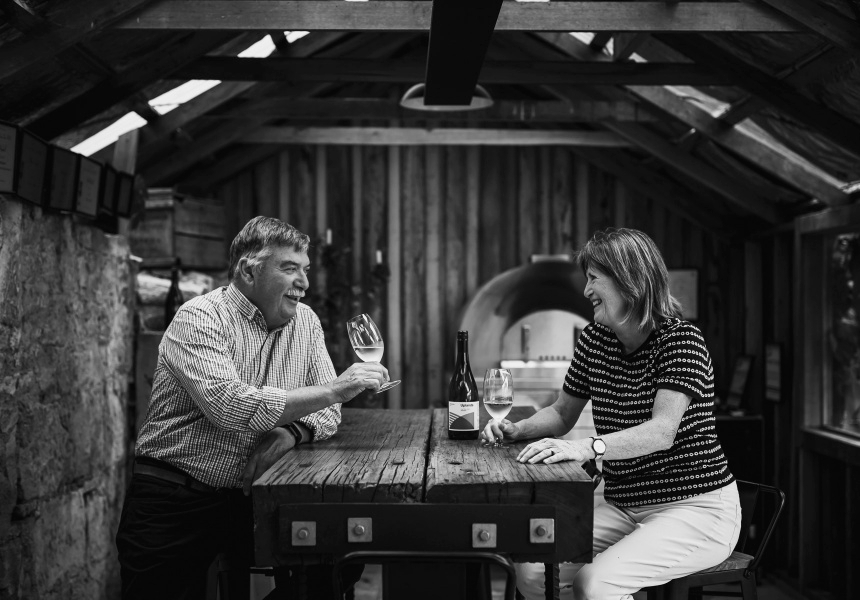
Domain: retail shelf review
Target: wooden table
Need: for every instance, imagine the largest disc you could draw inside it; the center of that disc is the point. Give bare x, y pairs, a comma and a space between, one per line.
393, 481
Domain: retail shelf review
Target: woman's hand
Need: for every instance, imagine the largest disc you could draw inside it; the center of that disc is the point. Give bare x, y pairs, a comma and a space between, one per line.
552, 450
499, 431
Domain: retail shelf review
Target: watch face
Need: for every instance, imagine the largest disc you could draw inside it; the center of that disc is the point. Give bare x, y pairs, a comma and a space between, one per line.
599, 446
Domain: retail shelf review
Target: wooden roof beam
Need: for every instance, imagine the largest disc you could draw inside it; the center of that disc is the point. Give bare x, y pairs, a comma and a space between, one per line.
460, 33
823, 20
124, 85
516, 72
449, 136
752, 143
735, 192
171, 164
625, 44
66, 23
760, 150
409, 15
776, 93
517, 111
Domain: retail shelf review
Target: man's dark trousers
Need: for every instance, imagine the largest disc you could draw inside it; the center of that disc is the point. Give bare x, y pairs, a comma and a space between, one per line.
170, 533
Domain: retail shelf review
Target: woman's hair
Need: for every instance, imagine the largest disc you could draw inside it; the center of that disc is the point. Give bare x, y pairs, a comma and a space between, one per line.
257, 239
633, 261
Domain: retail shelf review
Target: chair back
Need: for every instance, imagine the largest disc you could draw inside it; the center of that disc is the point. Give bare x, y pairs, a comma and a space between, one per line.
749, 493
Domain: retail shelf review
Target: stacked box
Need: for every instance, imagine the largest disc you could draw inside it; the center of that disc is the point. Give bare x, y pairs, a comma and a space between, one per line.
176, 225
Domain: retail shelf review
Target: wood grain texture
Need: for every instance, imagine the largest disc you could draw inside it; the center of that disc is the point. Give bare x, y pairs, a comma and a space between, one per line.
467, 472
377, 456
386, 15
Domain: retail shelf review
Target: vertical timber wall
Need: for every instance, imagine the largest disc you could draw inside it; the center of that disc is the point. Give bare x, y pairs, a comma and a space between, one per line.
66, 294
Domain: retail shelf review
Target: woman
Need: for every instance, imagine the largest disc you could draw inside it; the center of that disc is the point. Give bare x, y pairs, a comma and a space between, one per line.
671, 502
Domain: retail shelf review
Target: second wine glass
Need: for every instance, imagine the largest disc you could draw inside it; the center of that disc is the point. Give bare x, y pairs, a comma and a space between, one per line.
498, 395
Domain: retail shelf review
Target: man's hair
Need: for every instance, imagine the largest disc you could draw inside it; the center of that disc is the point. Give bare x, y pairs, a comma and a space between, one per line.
634, 262
257, 239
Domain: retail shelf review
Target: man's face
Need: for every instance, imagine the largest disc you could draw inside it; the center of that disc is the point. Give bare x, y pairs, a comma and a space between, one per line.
278, 285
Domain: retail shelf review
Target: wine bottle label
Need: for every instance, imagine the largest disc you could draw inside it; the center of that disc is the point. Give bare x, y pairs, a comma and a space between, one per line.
463, 416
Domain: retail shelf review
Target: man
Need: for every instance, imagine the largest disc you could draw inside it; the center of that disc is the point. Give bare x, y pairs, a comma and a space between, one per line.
242, 376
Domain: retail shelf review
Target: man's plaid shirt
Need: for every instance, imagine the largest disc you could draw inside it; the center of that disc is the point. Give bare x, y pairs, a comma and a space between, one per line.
220, 384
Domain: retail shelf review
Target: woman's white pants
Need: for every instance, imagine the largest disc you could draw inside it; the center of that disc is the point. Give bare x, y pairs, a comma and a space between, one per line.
646, 546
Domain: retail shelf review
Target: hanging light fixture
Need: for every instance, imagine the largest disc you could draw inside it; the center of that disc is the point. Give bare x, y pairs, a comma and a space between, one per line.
414, 99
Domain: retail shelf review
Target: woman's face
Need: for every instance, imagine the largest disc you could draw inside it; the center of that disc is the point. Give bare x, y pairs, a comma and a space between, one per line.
609, 306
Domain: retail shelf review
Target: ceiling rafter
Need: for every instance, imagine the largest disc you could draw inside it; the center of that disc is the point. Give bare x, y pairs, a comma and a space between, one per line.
625, 44
807, 70
65, 23
121, 86
733, 191
517, 111
750, 142
446, 136
821, 19
776, 93
460, 33
26, 22
415, 15
757, 147
515, 72
170, 164
666, 152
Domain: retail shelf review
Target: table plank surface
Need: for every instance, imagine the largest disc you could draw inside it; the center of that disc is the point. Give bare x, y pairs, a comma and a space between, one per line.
467, 472
405, 457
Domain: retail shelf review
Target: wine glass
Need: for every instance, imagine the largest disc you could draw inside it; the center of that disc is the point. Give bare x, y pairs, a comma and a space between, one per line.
367, 342
498, 395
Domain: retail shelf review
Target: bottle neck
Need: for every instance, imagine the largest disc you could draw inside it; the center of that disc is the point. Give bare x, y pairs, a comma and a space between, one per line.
462, 353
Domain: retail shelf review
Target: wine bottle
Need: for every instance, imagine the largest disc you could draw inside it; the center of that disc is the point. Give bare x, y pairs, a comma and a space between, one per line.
463, 395
174, 296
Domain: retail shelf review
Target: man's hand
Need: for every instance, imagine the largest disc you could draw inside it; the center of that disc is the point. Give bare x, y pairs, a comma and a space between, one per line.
357, 378
273, 446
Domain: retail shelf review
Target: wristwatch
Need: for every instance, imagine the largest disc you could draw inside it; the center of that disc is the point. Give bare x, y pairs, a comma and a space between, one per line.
599, 446
294, 429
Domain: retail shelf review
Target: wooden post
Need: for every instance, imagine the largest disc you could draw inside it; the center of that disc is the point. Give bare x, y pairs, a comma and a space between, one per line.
753, 327
433, 281
321, 200
284, 186
125, 159
394, 335
473, 189
358, 263
580, 199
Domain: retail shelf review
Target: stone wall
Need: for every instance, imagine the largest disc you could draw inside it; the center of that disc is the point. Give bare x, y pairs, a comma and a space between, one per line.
66, 336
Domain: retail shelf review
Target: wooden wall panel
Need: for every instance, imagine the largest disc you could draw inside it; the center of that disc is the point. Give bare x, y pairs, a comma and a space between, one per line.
527, 216
449, 219
414, 309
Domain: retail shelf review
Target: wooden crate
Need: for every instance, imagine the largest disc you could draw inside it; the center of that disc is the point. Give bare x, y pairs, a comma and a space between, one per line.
176, 225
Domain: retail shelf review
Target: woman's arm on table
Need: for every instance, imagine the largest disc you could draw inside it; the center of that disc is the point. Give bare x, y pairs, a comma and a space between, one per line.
556, 419
658, 433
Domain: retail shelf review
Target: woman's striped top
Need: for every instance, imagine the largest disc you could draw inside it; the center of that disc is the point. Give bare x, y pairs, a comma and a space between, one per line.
622, 389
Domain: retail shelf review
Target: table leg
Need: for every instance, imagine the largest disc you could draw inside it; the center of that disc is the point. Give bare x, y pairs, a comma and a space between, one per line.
551, 581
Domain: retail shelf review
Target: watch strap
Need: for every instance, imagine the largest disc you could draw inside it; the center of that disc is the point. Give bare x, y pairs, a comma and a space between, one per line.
297, 433
596, 453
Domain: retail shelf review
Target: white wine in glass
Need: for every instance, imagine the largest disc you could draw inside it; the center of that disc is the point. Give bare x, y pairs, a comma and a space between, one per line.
367, 342
498, 395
